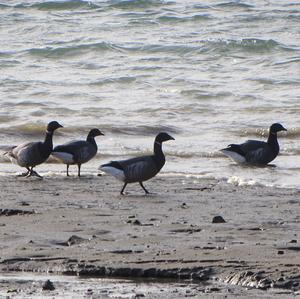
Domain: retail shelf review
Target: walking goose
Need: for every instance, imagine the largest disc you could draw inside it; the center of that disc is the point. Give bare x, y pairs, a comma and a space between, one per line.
254, 151
139, 169
31, 154
77, 152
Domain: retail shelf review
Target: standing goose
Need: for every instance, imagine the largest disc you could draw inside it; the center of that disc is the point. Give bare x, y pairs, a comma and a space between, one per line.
77, 152
31, 154
139, 169
254, 151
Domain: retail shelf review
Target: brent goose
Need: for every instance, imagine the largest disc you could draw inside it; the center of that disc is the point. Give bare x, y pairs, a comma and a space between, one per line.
77, 152
254, 151
139, 169
30, 154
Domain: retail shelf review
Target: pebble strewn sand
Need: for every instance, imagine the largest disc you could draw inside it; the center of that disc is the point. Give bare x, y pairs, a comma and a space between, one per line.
84, 227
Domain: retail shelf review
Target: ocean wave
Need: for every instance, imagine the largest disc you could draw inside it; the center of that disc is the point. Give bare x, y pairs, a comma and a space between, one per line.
178, 19
246, 45
233, 4
271, 81
142, 130
72, 50
26, 129
292, 133
202, 94
207, 46
59, 5
287, 61
120, 80
204, 46
137, 4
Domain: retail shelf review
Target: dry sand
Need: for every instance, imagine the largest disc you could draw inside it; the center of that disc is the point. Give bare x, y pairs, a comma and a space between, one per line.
166, 241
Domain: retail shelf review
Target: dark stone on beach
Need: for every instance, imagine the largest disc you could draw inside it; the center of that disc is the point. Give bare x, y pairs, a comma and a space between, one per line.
136, 222
184, 206
218, 219
48, 286
73, 240
13, 212
187, 230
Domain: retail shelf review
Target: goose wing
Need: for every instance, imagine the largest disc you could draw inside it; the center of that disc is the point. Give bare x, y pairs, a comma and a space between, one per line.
28, 154
133, 170
79, 151
256, 152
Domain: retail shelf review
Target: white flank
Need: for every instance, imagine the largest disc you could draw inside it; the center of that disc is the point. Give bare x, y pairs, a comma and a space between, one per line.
117, 173
234, 156
63, 157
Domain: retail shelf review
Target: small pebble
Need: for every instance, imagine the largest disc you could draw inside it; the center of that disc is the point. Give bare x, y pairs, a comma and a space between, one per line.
136, 222
48, 286
218, 219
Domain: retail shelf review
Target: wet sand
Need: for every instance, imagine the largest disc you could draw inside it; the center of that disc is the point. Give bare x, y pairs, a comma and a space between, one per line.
83, 227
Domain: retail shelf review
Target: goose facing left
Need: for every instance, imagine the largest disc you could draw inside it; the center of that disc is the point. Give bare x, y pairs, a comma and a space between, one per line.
31, 154
139, 169
77, 152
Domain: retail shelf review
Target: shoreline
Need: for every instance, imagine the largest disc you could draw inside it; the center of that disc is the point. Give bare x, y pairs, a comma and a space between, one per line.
84, 227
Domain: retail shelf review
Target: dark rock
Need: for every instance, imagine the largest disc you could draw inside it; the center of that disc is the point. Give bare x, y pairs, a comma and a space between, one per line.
13, 212
48, 286
73, 240
218, 219
186, 230
136, 222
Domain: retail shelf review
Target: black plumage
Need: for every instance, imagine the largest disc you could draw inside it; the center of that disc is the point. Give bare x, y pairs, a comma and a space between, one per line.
254, 151
77, 152
139, 169
31, 154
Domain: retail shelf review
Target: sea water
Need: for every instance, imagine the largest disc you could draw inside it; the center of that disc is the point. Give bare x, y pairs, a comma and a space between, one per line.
209, 73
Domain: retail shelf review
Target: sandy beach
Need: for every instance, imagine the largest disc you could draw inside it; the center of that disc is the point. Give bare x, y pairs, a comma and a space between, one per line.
84, 228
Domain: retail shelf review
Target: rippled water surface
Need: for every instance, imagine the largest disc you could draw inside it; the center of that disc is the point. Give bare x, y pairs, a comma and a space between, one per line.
208, 72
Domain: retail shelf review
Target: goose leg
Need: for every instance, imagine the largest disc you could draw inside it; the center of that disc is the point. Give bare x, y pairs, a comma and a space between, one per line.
24, 174
146, 191
67, 169
79, 165
33, 172
122, 191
